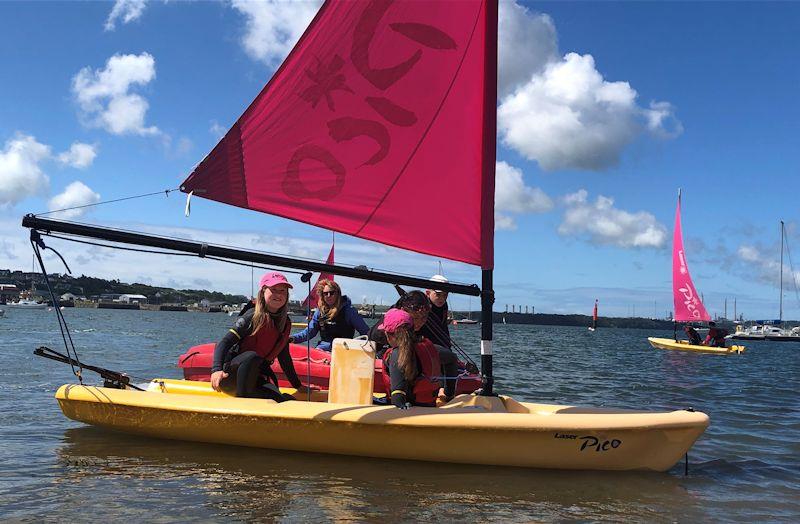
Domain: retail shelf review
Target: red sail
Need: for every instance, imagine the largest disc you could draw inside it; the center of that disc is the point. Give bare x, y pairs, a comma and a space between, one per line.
313, 297
381, 123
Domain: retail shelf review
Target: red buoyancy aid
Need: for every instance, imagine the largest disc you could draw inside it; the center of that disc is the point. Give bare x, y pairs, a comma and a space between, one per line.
267, 342
426, 388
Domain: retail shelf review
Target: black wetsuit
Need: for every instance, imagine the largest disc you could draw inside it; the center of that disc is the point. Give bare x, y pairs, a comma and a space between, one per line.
694, 336
247, 371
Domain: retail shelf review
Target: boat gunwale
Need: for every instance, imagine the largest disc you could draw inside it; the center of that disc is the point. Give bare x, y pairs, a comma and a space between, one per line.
468, 418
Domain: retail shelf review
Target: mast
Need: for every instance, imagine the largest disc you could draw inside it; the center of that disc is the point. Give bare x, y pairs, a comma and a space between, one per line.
489, 140
780, 311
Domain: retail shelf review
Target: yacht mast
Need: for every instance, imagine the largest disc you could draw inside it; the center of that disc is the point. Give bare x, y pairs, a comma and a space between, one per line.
780, 312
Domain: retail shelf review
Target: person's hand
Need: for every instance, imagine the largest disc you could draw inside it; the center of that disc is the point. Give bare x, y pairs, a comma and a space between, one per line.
216, 378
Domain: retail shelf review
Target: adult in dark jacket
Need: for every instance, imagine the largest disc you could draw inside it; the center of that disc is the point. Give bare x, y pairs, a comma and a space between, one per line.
436, 328
260, 335
335, 317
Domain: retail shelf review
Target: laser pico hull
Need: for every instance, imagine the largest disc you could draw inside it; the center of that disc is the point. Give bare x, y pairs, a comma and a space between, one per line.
470, 429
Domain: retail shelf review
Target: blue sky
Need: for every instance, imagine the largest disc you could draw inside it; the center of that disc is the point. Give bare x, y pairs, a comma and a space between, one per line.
606, 109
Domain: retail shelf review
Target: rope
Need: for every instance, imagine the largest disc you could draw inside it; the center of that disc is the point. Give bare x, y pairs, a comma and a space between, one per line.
162, 252
36, 242
166, 192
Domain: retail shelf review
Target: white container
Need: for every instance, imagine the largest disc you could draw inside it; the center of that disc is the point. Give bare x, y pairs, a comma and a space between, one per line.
352, 372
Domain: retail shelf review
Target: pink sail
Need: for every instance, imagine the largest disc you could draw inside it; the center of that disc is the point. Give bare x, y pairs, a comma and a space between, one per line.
313, 297
688, 306
381, 123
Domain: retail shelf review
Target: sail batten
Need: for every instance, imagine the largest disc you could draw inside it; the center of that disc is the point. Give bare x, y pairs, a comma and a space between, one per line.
688, 305
379, 124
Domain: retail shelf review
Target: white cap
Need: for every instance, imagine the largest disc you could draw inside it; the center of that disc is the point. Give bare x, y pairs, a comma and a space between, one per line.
439, 278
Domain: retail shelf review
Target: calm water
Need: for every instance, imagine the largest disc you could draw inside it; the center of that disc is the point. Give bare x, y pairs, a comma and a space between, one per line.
745, 468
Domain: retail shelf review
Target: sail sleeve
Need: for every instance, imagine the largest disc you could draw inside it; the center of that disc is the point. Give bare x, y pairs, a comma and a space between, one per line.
688, 306
379, 124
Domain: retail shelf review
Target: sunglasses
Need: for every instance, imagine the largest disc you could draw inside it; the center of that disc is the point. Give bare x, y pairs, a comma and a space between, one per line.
328, 293
416, 309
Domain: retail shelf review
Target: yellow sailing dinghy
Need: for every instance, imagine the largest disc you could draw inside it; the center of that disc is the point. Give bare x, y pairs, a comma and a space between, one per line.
366, 114
344, 421
684, 345
688, 305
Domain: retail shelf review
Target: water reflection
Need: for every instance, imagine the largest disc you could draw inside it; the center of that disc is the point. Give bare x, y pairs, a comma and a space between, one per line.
199, 480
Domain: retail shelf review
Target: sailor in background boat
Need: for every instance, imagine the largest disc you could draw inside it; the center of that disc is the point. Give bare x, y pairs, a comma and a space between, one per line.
335, 317
716, 336
260, 335
694, 336
410, 365
417, 305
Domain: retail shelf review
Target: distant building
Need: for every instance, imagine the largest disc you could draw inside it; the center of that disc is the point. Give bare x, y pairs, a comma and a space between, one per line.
132, 299
68, 297
7, 292
109, 297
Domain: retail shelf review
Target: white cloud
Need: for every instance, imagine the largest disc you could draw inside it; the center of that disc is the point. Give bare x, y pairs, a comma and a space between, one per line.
79, 155
526, 43
105, 99
274, 26
76, 194
603, 224
125, 10
767, 268
504, 222
217, 130
512, 195
561, 111
21, 174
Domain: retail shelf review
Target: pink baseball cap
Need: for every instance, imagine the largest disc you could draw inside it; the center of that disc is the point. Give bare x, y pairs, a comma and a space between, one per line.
394, 318
273, 279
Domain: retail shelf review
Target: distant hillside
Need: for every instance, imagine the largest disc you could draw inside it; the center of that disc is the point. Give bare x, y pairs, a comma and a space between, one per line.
93, 287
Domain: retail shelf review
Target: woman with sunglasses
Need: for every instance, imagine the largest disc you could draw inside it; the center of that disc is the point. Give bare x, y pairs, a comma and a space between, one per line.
243, 357
335, 317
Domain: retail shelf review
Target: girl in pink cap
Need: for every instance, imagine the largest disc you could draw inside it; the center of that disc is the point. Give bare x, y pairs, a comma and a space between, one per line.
410, 368
243, 357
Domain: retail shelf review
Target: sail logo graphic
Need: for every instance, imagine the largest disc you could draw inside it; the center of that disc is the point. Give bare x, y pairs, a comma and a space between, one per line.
327, 78
682, 260
687, 290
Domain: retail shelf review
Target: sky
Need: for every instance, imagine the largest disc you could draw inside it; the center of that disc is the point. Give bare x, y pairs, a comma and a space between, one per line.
605, 110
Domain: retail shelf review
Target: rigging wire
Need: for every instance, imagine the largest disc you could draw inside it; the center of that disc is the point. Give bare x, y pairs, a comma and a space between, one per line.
165, 192
170, 253
36, 243
791, 268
